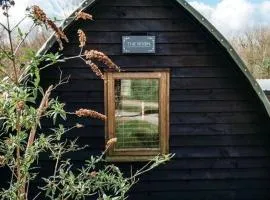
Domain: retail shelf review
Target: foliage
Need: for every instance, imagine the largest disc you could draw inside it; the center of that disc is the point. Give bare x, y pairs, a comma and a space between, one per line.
147, 87
139, 133
254, 48
24, 103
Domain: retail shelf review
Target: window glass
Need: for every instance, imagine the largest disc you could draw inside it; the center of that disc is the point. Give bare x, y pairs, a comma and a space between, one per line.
137, 113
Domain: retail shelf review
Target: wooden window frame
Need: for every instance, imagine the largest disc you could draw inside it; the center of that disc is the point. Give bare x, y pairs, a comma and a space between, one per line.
137, 154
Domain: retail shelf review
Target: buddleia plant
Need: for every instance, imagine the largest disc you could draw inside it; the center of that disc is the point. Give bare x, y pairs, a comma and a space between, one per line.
24, 103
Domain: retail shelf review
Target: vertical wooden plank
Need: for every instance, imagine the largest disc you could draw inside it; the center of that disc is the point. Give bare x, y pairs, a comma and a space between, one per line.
110, 107
164, 103
106, 106
168, 112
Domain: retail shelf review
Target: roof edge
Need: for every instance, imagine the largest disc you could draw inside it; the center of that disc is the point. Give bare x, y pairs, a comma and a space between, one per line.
51, 40
225, 43
201, 19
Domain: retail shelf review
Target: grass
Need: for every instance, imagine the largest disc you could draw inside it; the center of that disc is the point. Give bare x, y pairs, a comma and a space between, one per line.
131, 108
137, 134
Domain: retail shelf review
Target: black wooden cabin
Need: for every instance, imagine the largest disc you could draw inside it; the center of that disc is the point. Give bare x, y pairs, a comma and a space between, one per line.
267, 94
218, 115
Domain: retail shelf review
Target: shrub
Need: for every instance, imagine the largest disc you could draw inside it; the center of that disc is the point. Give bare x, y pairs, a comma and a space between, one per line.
22, 111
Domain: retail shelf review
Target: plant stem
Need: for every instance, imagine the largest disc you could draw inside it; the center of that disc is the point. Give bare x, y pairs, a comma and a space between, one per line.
20, 179
4, 26
55, 168
6, 74
5, 52
24, 38
57, 162
19, 23
11, 47
41, 109
36, 196
69, 58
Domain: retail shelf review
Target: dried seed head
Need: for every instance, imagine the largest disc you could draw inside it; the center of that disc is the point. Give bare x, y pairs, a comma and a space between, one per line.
82, 38
95, 69
8, 141
111, 142
93, 174
101, 57
79, 125
59, 34
63, 35
20, 105
39, 14
83, 15
90, 113
2, 161
59, 41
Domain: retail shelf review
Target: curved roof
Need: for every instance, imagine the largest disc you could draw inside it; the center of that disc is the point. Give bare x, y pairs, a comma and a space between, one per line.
205, 23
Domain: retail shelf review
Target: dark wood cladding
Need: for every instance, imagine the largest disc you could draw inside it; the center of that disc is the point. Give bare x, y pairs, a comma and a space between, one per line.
267, 94
219, 130
161, 49
97, 37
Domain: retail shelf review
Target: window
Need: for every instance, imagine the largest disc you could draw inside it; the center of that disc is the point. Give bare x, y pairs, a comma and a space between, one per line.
137, 106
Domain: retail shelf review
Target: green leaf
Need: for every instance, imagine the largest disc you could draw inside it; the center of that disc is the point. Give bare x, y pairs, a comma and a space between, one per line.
21, 35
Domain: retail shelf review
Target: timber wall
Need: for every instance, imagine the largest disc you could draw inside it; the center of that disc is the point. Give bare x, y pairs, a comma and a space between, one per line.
218, 127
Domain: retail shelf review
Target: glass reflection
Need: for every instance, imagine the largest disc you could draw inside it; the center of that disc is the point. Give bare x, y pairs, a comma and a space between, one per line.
137, 113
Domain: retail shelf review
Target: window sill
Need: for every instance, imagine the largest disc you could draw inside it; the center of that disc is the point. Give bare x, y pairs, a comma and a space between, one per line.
126, 159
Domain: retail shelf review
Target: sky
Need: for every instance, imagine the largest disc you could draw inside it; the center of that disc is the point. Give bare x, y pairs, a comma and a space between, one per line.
214, 2
234, 16
229, 16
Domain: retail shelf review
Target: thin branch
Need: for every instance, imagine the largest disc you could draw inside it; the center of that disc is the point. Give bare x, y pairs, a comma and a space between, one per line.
4, 26
24, 38
12, 176
4, 72
56, 167
56, 164
27, 190
18, 152
72, 57
63, 60
67, 197
83, 59
25, 17
46, 66
5, 52
11, 47
81, 51
13, 173
42, 107
37, 196
150, 165
62, 81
